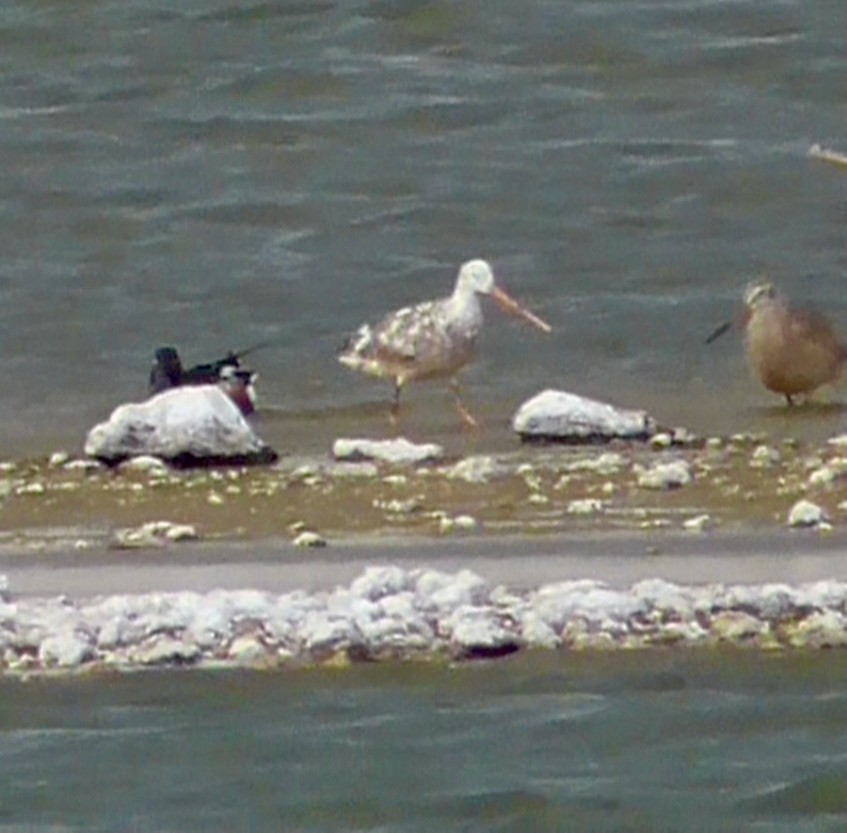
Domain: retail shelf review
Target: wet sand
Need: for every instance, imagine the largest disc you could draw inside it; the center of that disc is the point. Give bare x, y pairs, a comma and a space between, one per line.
524, 518
277, 566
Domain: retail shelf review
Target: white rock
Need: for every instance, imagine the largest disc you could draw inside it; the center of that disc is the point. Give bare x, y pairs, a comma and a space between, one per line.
764, 456
661, 440
441, 593
36, 488
322, 634
65, 650
307, 538
478, 469
736, 625
478, 631
585, 506
247, 649
536, 632
460, 522
364, 469
181, 532
767, 601
84, 465
140, 538
821, 629
144, 463
465, 522
397, 625
699, 523
669, 475
186, 425
153, 534
58, 458
684, 436
821, 594
607, 463
804, 513
827, 474
166, 650
583, 598
554, 415
658, 594
378, 582
396, 452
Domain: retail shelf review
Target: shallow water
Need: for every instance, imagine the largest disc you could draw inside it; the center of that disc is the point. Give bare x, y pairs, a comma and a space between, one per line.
216, 174
685, 741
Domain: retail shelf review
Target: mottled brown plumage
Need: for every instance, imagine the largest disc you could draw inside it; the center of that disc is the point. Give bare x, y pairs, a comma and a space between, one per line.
791, 351
431, 340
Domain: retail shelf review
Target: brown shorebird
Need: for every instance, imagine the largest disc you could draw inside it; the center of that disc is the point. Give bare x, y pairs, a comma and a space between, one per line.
432, 340
792, 351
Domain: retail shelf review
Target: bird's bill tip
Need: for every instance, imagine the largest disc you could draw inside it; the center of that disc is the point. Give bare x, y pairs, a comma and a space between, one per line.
724, 328
508, 304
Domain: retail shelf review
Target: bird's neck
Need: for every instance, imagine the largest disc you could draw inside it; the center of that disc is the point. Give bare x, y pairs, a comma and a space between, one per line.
464, 304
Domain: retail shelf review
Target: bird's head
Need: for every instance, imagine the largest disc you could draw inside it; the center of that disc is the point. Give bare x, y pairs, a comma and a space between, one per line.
758, 293
476, 276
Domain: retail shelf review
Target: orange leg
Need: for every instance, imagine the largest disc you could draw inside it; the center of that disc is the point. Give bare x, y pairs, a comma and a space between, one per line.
464, 413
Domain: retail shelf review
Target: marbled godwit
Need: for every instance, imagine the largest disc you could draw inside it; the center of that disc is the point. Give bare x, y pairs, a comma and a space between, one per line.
431, 340
792, 351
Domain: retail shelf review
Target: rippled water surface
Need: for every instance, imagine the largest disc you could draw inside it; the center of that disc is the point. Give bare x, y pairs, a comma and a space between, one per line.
213, 174
648, 742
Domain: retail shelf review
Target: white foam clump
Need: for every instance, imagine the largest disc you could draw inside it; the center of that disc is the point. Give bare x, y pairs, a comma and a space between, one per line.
394, 612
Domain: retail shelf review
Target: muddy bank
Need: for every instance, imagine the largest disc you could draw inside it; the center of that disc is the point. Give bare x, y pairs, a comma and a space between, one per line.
743, 482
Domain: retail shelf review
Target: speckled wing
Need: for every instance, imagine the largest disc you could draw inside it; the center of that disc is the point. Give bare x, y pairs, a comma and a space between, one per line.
410, 343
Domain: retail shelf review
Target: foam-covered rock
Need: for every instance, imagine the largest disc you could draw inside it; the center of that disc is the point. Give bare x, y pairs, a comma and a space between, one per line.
394, 612
558, 416
190, 425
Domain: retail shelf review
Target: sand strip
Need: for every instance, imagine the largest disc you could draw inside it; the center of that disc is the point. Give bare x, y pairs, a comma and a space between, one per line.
277, 566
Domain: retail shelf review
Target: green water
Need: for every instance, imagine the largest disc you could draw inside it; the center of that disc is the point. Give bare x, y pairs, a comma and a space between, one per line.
684, 741
214, 174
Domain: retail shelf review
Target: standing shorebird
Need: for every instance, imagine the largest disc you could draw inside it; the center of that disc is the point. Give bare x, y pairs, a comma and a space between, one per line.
432, 340
792, 351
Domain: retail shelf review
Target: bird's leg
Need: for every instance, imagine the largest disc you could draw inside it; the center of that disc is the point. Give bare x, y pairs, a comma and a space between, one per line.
788, 399
395, 404
464, 413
